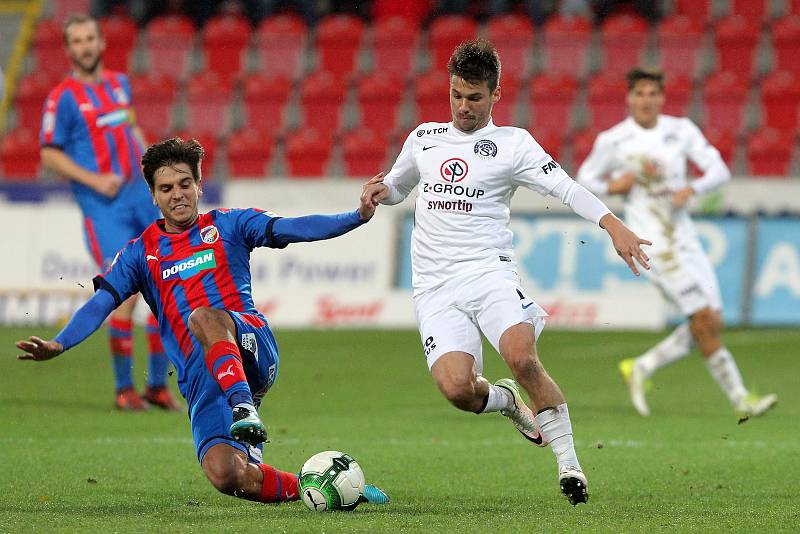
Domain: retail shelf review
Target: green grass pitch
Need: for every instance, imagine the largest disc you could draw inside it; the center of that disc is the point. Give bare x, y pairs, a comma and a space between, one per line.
69, 462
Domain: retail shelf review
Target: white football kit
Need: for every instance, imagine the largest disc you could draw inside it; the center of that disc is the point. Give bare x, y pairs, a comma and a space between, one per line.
464, 269
658, 156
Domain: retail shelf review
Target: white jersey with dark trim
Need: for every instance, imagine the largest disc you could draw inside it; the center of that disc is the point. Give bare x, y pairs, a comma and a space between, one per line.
465, 184
658, 158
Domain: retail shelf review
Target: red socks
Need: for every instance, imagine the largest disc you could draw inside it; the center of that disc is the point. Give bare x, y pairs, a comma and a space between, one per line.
278, 486
224, 362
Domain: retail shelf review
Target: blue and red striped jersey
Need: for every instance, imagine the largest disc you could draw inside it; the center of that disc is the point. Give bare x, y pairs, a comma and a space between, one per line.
92, 123
206, 265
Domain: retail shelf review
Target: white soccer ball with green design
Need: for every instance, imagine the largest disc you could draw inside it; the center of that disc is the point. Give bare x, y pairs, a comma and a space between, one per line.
331, 480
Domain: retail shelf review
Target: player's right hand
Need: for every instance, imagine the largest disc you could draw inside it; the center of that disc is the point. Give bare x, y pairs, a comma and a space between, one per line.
108, 184
371, 195
622, 184
39, 350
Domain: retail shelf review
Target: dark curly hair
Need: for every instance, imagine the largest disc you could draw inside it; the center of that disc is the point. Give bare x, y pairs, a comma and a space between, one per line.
641, 73
476, 61
170, 152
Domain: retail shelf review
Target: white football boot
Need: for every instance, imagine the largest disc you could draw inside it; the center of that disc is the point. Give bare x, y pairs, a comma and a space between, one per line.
520, 415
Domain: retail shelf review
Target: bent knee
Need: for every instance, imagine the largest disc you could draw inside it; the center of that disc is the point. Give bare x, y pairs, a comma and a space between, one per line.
200, 318
460, 393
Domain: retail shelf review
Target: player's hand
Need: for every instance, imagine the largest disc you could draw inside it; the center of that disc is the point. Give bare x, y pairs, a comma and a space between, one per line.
371, 195
108, 184
39, 350
622, 184
627, 244
681, 197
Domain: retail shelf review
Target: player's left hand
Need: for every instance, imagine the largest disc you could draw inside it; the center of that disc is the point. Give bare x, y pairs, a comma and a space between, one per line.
39, 350
681, 197
371, 196
627, 244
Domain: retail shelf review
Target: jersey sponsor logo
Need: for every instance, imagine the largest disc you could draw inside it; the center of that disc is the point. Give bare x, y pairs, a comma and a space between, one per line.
209, 234
183, 269
485, 149
454, 170
549, 166
450, 189
450, 205
440, 130
114, 118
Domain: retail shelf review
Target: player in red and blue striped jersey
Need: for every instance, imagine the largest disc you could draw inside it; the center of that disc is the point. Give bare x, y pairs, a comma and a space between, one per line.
194, 272
88, 135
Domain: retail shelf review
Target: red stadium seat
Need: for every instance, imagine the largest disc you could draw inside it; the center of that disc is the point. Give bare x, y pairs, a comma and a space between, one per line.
225, 39
551, 140
307, 152
414, 11
623, 38
364, 152
154, 96
680, 40
209, 142
786, 42
64, 8
447, 32
379, 99
30, 96
513, 37
281, 41
265, 101
769, 153
322, 98
752, 9
780, 101
431, 95
208, 103
582, 144
338, 44
19, 155
724, 99
724, 141
678, 95
566, 41
606, 100
504, 113
394, 44
120, 34
249, 153
794, 7
48, 49
736, 39
169, 41
551, 101
699, 11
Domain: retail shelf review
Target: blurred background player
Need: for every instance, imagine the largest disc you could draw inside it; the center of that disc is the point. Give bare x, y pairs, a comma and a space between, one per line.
464, 272
645, 157
88, 135
194, 272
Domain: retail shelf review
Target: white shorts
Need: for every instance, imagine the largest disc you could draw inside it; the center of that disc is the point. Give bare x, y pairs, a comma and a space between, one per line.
452, 316
686, 278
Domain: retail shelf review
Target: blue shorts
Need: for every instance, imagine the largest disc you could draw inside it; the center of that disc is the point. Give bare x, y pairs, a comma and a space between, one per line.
108, 227
209, 413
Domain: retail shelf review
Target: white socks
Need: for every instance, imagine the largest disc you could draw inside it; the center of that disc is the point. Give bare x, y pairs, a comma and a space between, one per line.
723, 368
556, 428
671, 349
499, 399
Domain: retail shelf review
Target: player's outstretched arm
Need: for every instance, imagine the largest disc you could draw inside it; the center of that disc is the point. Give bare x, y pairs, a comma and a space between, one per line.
86, 320
627, 244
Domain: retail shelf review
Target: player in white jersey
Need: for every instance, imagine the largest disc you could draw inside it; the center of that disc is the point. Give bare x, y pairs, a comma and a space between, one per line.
464, 271
644, 157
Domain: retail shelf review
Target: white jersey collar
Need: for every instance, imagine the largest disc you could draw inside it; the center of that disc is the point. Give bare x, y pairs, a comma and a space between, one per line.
490, 125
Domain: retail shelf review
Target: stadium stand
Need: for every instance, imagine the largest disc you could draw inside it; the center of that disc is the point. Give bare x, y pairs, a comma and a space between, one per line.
414, 11
699, 11
724, 141
169, 43
513, 35
307, 153
504, 113
121, 36
446, 32
249, 153
678, 94
566, 43
769, 153
394, 45
322, 97
48, 48
736, 39
338, 44
208, 103
364, 152
30, 96
265, 99
225, 39
786, 42
379, 98
428, 91
724, 101
780, 101
63, 8
19, 155
606, 100
623, 39
155, 95
680, 41
551, 100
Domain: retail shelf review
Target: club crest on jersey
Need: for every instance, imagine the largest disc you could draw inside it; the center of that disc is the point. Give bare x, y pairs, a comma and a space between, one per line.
209, 234
485, 149
183, 269
454, 170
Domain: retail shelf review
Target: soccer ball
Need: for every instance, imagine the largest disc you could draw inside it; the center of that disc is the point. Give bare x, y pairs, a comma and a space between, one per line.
331, 480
